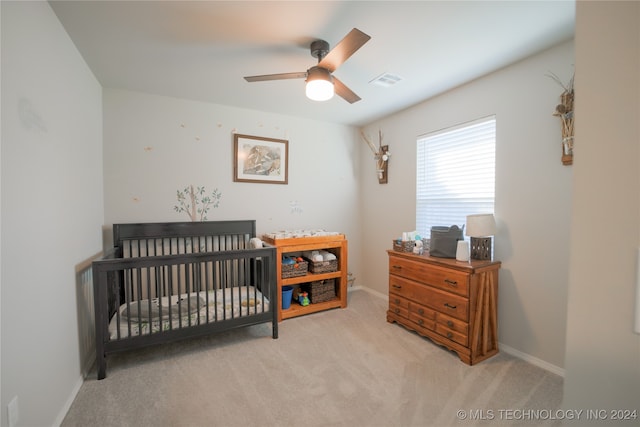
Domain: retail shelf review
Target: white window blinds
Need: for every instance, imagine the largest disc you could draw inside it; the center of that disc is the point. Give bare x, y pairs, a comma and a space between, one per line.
455, 174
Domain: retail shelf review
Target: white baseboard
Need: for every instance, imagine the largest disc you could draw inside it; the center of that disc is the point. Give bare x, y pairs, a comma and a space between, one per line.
531, 359
69, 402
371, 291
503, 347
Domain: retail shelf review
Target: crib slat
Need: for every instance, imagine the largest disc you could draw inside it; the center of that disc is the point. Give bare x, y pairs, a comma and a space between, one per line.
170, 288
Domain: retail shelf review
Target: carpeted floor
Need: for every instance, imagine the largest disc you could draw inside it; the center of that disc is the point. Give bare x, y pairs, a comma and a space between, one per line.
344, 367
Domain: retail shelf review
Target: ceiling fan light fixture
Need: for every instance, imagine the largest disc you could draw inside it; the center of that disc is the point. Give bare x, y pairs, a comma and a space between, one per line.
319, 84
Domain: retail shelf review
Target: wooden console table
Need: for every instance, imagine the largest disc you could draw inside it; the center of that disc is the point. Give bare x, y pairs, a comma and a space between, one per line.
337, 244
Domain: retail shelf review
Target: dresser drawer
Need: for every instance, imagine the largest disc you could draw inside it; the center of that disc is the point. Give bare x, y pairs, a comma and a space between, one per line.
399, 306
403, 312
453, 323
423, 316
462, 339
440, 301
397, 301
441, 278
422, 311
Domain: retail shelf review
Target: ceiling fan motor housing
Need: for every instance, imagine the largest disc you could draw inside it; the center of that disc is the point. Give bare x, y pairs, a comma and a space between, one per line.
319, 49
319, 73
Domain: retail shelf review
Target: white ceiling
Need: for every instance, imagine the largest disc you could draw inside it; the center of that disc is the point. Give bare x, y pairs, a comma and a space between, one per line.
201, 50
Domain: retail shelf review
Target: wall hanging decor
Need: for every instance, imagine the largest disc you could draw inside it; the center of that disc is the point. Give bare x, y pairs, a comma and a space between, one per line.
564, 111
259, 159
381, 155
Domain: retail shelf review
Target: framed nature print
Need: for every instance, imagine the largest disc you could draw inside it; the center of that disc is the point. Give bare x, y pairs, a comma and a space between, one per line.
259, 159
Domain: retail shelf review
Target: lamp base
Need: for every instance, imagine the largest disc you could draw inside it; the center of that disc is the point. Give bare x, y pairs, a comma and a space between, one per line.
481, 248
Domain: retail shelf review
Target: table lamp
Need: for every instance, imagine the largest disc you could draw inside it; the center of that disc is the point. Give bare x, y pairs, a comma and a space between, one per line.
480, 227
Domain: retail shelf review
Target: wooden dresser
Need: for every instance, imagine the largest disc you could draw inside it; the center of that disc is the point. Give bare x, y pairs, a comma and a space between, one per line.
451, 302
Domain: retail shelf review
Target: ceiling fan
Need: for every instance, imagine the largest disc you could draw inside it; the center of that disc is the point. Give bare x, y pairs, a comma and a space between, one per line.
321, 84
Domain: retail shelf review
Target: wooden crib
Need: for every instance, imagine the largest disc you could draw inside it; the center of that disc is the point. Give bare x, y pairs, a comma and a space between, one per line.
168, 281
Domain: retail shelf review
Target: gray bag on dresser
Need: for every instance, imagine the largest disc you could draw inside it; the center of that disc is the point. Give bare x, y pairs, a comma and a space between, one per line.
444, 241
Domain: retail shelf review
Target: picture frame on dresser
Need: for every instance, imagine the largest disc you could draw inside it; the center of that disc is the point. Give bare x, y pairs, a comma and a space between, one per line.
259, 159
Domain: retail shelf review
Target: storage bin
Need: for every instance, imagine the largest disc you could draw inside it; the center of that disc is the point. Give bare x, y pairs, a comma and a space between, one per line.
404, 246
287, 293
322, 290
322, 266
294, 270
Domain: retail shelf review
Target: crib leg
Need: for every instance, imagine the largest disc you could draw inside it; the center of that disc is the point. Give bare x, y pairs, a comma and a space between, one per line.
101, 360
101, 363
275, 329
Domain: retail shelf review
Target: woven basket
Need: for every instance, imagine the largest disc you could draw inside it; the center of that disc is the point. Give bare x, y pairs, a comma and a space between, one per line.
322, 290
323, 266
403, 246
294, 270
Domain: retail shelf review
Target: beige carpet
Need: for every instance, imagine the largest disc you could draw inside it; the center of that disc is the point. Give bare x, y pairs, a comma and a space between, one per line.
344, 367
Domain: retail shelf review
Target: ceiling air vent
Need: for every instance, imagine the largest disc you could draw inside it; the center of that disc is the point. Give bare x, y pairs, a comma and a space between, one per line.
386, 80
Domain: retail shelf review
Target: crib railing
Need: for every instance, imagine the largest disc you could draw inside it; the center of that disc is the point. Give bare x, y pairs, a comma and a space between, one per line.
144, 240
158, 279
181, 290
185, 295
146, 283
167, 281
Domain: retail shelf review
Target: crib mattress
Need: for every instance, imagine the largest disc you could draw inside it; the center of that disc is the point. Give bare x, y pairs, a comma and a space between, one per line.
195, 308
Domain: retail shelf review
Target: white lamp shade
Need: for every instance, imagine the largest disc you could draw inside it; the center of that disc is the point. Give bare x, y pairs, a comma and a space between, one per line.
319, 84
480, 225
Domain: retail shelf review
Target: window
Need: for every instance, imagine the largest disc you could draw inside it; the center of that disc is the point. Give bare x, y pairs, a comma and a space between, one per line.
455, 174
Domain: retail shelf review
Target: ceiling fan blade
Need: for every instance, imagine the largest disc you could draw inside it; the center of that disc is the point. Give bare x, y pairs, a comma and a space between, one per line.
281, 76
344, 49
344, 91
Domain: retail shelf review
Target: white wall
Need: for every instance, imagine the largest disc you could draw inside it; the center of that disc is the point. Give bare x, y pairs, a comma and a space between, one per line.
603, 353
533, 195
156, 145
51, 181
52, 208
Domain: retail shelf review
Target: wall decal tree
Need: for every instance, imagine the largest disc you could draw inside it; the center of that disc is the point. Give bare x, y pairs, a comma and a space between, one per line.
196, 203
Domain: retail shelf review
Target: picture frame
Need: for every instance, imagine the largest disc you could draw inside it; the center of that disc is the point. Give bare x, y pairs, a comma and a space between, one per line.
260, 160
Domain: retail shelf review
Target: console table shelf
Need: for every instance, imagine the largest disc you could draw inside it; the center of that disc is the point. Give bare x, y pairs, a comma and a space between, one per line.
336, 244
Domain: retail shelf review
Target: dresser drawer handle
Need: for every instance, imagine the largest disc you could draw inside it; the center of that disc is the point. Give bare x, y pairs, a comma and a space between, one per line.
420, 322
452, 283
421, 311
397, 310
450, 323
396, 267
397, 301
449, 335
397, 286
452, 307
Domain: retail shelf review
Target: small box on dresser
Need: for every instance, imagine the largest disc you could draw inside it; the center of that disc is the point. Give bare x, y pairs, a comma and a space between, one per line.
451, 302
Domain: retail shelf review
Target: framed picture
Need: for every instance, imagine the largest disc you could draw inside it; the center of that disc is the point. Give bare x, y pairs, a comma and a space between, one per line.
258, 159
